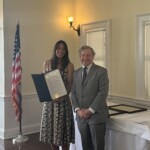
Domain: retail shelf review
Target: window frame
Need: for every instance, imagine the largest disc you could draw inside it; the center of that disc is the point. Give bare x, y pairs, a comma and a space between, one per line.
106, 25
142, 21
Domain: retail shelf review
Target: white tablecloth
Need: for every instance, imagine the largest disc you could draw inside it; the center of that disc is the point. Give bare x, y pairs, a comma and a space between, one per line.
124, 132
137, 124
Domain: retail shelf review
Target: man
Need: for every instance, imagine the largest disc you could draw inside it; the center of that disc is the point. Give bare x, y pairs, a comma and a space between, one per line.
89, 100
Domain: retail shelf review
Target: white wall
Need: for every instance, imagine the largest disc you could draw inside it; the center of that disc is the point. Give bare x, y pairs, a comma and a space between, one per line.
1, 70
1, 50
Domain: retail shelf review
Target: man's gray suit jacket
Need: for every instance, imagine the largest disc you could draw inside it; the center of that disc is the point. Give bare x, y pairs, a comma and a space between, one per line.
92, 94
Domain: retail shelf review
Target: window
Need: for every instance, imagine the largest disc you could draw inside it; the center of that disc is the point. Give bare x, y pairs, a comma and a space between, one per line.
97, 35
143, 57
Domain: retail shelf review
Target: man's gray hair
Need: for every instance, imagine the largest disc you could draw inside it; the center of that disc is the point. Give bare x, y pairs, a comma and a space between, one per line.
87, 47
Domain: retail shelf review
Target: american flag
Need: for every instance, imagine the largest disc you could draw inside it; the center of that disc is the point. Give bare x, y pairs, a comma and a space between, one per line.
16, 77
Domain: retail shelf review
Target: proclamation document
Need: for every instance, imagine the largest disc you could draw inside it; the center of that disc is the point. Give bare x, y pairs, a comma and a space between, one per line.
55, 84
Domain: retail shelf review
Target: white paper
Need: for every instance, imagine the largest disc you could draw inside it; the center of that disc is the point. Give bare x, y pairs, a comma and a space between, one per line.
55, 84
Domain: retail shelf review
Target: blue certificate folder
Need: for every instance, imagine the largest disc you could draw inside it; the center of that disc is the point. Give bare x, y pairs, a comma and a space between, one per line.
41, 87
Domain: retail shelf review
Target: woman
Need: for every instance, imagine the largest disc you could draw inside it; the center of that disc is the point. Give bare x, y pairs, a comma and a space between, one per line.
57, 126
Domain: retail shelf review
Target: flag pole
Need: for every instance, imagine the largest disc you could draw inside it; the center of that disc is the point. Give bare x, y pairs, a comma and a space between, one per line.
20, 117
20, 138
16, 87
20, 125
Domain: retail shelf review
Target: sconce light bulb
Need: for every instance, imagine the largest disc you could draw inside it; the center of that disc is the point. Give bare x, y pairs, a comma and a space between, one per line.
70, 19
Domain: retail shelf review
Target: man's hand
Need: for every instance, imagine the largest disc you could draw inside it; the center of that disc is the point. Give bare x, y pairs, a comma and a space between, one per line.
84, 113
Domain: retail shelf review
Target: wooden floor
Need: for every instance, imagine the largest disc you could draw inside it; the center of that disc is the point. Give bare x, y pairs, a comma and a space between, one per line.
32, 144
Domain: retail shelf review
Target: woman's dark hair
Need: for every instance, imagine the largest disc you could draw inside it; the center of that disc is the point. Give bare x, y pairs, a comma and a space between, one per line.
65, 59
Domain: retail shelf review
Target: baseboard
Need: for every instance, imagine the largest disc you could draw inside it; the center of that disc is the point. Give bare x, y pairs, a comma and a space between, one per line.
14, 132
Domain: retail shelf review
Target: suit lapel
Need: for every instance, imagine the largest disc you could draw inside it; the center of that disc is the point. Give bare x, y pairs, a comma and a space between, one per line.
80, 77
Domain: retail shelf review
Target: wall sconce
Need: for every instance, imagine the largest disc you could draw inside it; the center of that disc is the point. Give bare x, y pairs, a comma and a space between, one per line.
70, 19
